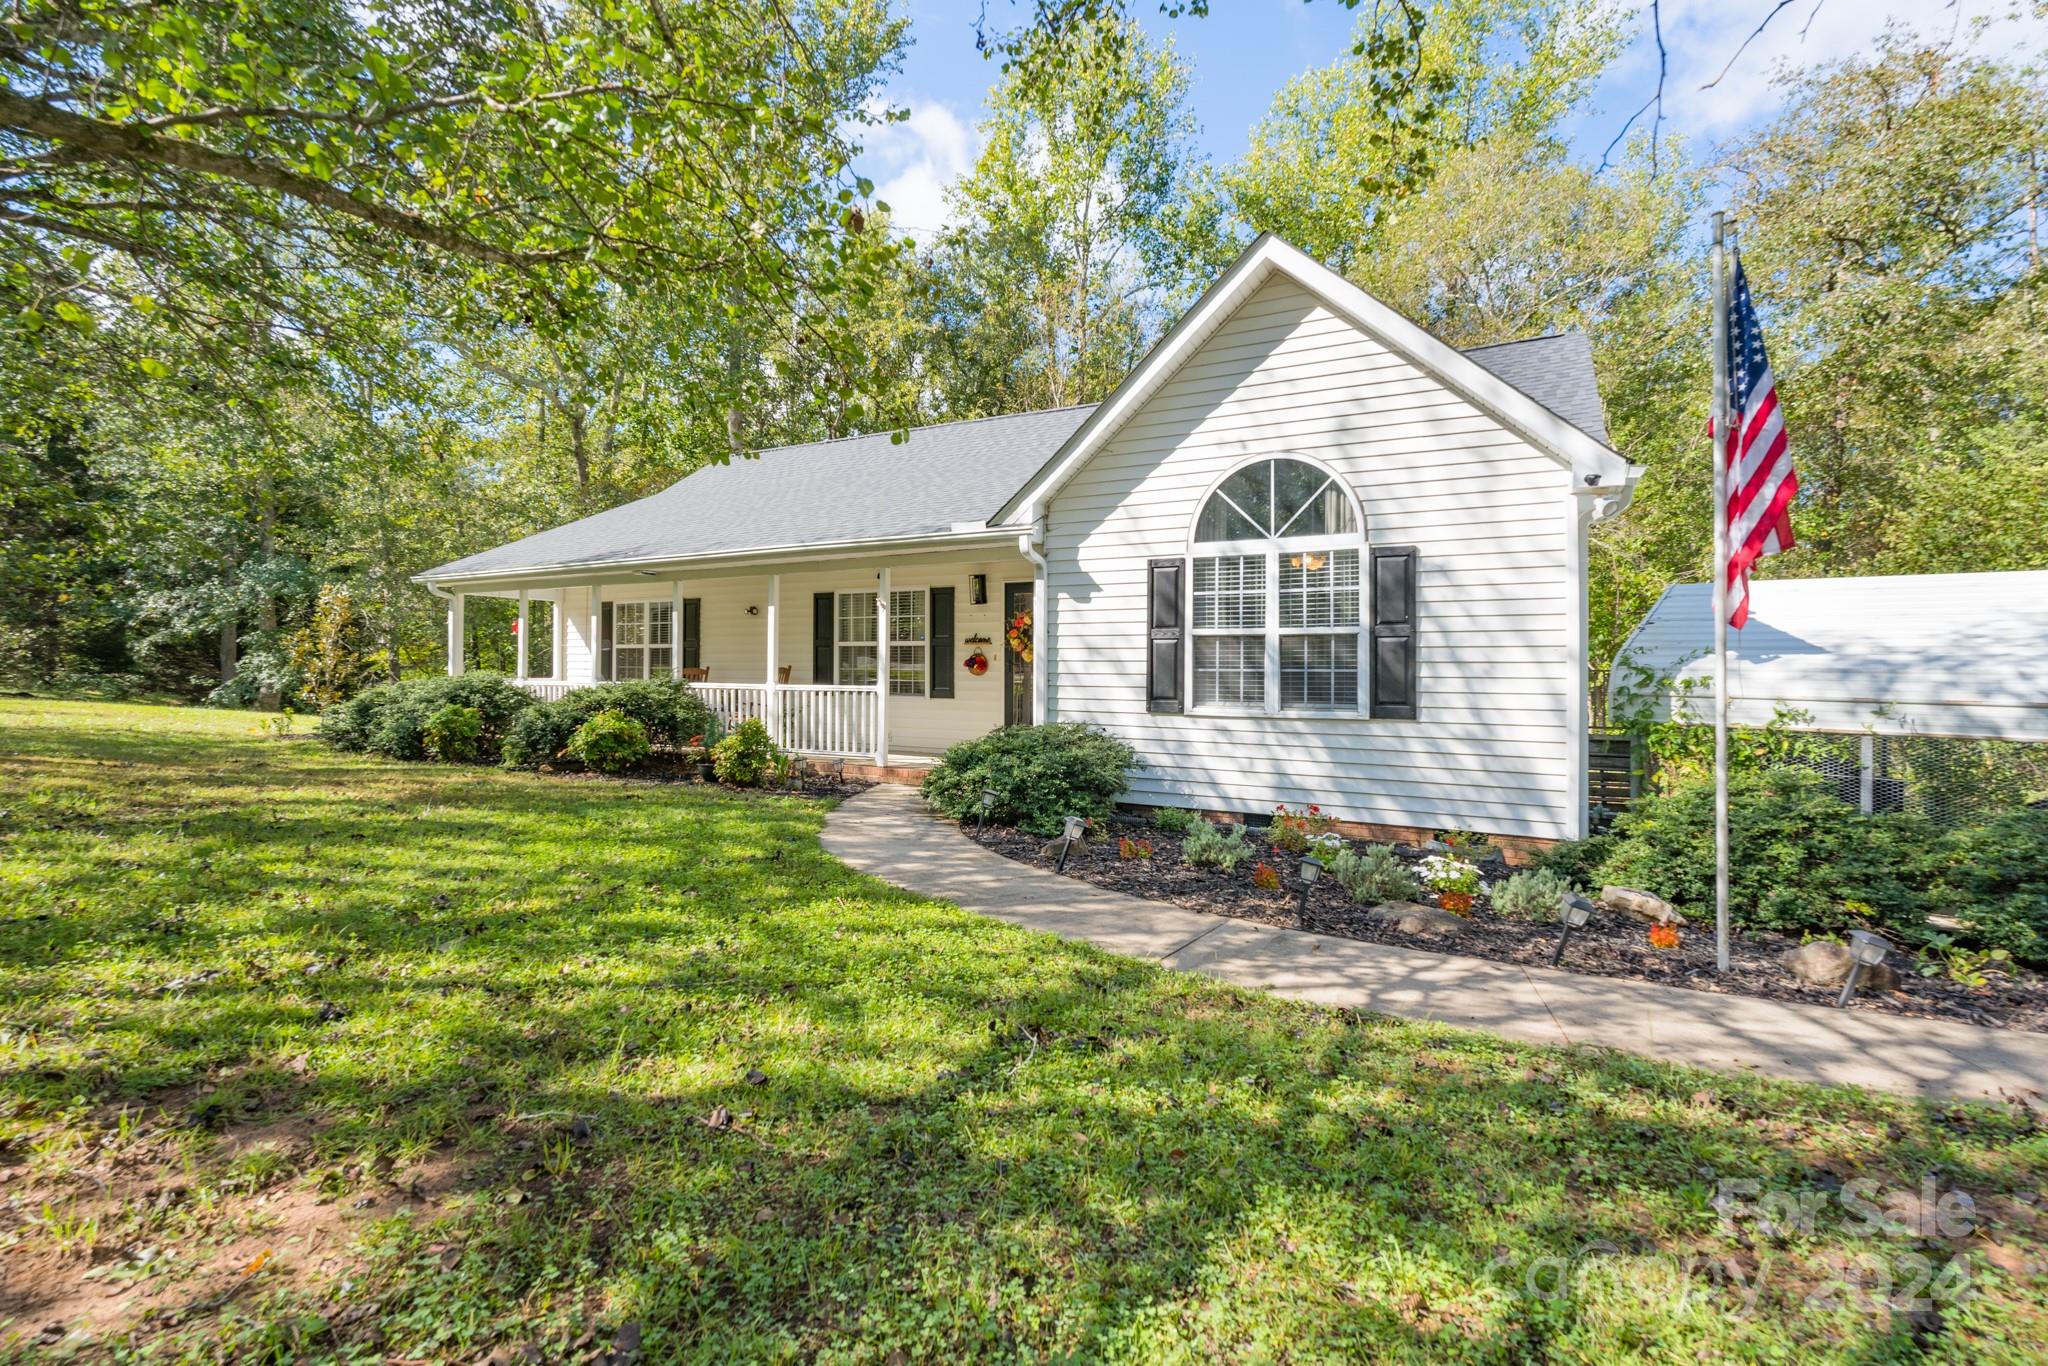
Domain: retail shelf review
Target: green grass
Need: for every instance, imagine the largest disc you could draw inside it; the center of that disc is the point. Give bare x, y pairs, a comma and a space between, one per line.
964, 1142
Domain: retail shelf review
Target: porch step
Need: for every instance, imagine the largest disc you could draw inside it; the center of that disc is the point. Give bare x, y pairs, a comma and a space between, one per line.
907, 774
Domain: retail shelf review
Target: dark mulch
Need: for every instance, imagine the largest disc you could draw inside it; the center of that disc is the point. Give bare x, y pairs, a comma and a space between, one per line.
673, 768
1611, 944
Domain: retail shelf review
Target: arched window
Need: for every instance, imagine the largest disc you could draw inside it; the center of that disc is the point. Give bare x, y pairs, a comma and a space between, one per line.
1277, 591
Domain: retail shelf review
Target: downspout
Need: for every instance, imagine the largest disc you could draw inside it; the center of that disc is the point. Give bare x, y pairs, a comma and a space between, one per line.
1041, 624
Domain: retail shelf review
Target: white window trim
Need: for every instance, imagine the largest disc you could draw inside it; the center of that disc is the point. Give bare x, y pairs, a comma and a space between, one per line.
1273, 551
882, 647
648, 645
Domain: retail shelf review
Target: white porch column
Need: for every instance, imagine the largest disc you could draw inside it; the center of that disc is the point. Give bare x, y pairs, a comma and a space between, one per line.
882, 668
596, 633
675, 630
525, 625
774, 698
455, 636
1041, 642
558, 638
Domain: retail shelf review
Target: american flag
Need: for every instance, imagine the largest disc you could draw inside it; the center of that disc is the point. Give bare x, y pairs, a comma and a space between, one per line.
1761, 481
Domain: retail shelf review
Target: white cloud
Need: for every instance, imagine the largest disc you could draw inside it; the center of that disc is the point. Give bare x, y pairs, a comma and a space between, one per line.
1702, 35
913, 162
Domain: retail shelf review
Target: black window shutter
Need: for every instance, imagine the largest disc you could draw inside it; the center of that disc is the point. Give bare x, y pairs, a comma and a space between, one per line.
1163, 672
604, 649
692, 631
1393, 633
941, 643
821, 637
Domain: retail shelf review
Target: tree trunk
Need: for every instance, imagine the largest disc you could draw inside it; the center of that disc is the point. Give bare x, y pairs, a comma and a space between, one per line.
266, 695
227, 652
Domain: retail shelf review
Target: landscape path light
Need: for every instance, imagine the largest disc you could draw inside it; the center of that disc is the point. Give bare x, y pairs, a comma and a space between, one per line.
1076, 827
988, 804
1573, 911
1866, 950
1310, 872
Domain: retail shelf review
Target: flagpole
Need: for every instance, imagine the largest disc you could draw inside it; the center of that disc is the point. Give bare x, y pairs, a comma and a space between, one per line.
1721, 423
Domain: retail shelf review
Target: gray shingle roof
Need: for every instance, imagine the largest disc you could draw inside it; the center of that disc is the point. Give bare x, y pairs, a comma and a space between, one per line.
934, 480
1556, 371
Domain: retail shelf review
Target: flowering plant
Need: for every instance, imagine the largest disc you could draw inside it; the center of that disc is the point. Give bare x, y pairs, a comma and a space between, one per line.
1294, 831
1663, 936
1128, 848
1265, 877
1441, 873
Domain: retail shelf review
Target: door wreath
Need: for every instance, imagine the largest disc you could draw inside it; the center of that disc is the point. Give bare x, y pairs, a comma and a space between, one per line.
1019, 635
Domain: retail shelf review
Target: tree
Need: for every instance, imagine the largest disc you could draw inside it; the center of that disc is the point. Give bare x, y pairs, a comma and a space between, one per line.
293, 167
1058, 244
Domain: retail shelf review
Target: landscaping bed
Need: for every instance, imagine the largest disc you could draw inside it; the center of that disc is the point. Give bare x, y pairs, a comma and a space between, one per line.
1612, 944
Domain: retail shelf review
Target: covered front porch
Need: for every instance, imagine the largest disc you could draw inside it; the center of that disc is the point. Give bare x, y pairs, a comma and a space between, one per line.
882, 660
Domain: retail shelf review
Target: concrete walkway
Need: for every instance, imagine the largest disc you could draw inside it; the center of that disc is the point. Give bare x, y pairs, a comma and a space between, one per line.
887, 832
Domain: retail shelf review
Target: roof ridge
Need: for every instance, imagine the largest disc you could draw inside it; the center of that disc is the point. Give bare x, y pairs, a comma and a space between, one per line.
1524, 341
926, 427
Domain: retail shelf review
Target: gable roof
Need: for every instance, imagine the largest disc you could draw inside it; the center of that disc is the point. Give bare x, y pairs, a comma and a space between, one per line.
936, 480
1595, 465
958, 478
1907, 654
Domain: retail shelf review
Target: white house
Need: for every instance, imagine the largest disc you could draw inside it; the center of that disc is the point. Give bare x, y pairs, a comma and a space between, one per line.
1305, 552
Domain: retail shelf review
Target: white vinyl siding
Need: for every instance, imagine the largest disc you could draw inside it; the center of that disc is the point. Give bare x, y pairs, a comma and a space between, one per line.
1496, 600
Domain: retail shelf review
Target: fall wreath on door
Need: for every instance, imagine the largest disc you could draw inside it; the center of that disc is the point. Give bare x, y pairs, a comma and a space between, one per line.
1019, 635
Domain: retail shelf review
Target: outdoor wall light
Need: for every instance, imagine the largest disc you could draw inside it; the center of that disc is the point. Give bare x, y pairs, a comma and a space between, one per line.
977, 589
1866, 950
1573, 911
1311, 872
987, 804
1076, 827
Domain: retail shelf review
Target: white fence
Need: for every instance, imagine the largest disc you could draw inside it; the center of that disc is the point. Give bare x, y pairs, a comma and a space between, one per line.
806, 718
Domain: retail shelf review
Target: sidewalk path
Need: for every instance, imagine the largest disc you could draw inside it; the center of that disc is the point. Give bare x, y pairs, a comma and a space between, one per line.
886, 832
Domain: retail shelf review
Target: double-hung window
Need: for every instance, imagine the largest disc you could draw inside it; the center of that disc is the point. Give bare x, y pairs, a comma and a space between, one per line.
643, 639
856, 644
1277, 592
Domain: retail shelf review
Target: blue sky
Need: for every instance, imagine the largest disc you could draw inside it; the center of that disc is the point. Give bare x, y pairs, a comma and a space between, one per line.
1246, 49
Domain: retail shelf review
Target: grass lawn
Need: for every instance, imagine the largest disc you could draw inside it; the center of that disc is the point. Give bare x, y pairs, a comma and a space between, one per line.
307, 1056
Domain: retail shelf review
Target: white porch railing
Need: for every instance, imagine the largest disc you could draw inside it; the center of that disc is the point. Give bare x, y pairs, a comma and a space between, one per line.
808, 718
546, 689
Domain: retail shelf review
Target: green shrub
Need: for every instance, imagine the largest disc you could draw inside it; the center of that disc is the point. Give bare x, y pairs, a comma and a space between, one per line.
1217, 846
1529, 895
1375, 874
669, 712
1800, 858
610, 742
745, 756
1040, 775
454, 734
1175, 820
1995, 880
1578, 861
391, 719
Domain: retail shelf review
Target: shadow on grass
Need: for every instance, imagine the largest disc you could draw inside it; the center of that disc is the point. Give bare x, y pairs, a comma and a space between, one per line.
818, 1114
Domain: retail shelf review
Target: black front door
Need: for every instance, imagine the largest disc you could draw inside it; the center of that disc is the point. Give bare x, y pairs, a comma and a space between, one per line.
1016, 668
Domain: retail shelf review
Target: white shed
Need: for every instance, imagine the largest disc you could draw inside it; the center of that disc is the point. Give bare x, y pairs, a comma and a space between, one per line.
1936, 684
1960, 655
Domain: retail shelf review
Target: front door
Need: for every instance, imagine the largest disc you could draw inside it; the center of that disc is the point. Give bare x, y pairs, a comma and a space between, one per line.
1016, 668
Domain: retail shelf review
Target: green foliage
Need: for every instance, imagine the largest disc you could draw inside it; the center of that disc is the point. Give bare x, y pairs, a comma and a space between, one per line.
1217, 846
1578, 861
1295, 832
1800, 858
1040, 775
1374, 874
746, 756
332, 651
391, 719
610, 742
1175, 820
486, 935
1995, 880
668, 712
454, 734
1529, 895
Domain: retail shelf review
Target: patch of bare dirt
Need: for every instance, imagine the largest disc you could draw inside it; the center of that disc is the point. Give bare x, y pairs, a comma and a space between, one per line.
143, 1233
